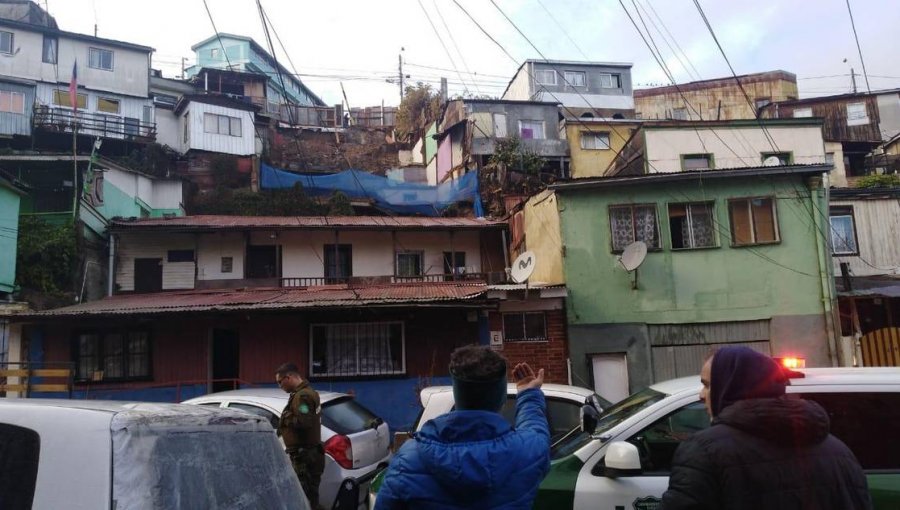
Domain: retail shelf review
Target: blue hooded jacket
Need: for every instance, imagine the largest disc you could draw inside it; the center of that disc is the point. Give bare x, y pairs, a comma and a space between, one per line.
472, 459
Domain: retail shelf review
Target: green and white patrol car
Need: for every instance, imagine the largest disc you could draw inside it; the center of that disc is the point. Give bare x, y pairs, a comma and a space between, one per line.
639, 435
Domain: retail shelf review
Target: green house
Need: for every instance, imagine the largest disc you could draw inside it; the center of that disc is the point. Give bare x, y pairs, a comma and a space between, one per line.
10, 196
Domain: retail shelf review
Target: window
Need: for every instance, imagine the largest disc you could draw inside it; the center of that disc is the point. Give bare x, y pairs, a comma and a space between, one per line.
12, 102
114, 355
338, 263
500, 125
100, 59
692, 225
843, 231
784, 158
258, 411
531, 129
107, 105
409, 263
369, 348
262, 261
147, 115
524, 327
679, 114
21, 449
574, 78
165, 99
760, 102
858, 419
856, 114
187, 127
7, 41
455, 262
610, 81
657, 443
829, 158
227, 264
630, 223
545, 76
696, 162
61, 98
221, 124
595, 141
50, 53
180, 256
753, 221
214, 53
802, 113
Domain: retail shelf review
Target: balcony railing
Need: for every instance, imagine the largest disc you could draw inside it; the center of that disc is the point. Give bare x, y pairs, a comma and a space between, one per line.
316, 281
63, 120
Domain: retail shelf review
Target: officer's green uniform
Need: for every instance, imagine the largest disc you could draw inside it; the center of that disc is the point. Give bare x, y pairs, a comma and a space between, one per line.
300, 428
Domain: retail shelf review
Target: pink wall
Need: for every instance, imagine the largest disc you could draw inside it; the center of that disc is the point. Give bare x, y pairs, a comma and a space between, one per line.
444, 158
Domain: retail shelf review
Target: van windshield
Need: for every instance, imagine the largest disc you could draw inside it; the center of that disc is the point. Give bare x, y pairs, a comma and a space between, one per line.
627, 408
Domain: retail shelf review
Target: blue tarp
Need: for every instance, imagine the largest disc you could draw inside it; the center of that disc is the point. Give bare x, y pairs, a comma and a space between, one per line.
396, 197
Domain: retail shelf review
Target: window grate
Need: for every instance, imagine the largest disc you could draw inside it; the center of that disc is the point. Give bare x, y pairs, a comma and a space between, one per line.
358, 349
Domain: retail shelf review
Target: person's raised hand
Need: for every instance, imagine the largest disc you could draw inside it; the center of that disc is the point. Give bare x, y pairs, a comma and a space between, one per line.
525, 377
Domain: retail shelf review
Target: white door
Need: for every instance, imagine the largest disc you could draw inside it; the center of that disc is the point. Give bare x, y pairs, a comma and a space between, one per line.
610, 376
500, 125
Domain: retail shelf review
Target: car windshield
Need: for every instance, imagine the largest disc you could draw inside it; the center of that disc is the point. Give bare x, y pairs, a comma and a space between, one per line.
627, 408
346, 416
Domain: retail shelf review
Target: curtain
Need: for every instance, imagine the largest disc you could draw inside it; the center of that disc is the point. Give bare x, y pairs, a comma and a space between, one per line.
842, 240
645, 225
702, 226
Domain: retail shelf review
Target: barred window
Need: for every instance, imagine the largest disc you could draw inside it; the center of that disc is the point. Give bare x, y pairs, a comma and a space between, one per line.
353, 349
113, 355
525, 327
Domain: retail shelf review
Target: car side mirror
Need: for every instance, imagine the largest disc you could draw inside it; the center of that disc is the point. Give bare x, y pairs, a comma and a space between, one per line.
622, 459
595, 401
589, 418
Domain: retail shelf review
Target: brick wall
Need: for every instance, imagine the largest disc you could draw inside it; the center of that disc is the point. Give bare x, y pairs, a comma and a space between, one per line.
550, 355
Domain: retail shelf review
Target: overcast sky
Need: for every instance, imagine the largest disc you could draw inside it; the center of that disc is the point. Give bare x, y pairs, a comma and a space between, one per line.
357, 42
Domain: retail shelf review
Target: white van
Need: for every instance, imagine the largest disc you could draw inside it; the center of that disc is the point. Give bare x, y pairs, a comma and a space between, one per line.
96, 455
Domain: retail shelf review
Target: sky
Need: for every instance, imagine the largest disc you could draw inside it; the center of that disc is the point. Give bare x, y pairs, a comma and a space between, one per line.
357, 43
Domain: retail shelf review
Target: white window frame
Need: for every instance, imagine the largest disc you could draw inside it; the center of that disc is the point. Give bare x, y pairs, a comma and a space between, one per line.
118, 103
656, 245
62, 93
359, 325
802, 113
11, 95
543, 134
418, 253
598, 143
218, 128
570, 77
608, 81
857, 115
847, 212
7, 36
100, 52
540, 76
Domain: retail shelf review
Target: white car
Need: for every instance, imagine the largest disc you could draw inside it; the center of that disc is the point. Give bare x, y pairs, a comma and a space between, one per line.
356, 441
98, 455
622, 458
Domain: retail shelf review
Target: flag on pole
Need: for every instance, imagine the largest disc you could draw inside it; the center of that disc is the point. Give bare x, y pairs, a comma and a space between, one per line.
73, 87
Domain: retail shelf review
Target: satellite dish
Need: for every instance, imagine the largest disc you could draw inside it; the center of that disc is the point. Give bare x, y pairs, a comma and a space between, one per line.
772, 161
633, 256
522, 267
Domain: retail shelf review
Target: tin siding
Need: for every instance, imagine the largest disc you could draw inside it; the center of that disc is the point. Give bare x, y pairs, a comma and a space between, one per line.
239, 145
17, 123
877, 223
176, 275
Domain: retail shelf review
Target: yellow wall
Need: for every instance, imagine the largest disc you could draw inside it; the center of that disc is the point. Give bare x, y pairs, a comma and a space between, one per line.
542, 236
593, 162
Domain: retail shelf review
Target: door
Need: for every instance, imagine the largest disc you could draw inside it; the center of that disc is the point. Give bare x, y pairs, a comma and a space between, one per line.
147, 275
610, 375
338, 263
225, 360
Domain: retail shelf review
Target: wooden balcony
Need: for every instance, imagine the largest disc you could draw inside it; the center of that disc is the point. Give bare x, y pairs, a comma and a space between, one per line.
64, 120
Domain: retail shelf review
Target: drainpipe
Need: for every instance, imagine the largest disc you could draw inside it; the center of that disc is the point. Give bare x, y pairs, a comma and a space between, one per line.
112, 265
826, 279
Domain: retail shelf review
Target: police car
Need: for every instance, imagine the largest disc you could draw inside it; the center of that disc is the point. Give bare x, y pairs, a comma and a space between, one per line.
639, 435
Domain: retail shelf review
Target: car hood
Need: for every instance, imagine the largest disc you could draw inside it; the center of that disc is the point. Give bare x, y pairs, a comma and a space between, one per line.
466, 451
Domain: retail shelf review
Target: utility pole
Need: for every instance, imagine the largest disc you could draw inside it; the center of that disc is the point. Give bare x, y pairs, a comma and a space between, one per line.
853, 79
183, 64
400, 67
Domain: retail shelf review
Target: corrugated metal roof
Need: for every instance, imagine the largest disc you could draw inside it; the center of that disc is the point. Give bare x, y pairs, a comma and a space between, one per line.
267, 298
210, 222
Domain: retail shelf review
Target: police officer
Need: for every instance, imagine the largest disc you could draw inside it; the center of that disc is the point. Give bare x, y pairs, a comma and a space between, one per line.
300, 428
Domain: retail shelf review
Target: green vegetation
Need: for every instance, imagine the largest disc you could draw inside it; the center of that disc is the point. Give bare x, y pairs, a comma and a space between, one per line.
879, 181
280, 202
46, 256
510, 153
420, 107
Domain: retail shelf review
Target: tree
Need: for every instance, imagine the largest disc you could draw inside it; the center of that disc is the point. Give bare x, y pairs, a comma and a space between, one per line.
420, 107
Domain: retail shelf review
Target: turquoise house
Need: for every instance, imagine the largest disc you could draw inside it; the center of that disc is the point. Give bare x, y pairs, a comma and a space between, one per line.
10, 196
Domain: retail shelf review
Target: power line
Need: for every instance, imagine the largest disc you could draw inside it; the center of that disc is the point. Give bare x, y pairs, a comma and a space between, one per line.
858, 48
218, 37
443, 45
453, 40
639, 6
564, 31
675, 41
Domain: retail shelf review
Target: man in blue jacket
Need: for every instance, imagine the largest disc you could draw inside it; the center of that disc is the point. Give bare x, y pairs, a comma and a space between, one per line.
471, 457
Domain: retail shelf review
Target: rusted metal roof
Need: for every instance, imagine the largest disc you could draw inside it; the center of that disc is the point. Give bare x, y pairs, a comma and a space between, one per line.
203, 222
267, 298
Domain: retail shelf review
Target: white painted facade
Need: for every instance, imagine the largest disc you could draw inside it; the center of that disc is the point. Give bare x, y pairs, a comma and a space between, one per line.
157, 193
170, 130
199, 139
575, 100
877, 225
731, 147
373, 253
130, 107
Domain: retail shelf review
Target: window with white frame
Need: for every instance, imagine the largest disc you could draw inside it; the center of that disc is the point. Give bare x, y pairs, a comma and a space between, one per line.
633, 222
409, 263
50, 52
113, 355
800, 113
856, 114
696, 162
107, 105
753, 221
62, 98
99, 58
843, 231
357, 349
610, 81
12, 102
595, 141
545, 76
531, 129
7, 41
679, 114
574, 78
221, 124
525, 327
691, 225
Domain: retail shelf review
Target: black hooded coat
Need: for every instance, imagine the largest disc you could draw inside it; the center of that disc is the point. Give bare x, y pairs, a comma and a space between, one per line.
764, 450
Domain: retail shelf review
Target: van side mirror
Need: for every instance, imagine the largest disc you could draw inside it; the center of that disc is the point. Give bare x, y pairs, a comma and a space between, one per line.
589, 418
622, 459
